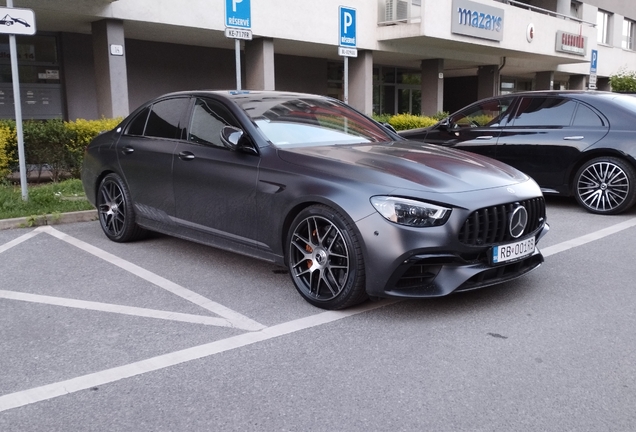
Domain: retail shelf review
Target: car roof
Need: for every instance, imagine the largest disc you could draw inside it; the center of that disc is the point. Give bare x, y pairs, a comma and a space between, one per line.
246, 94
584, 93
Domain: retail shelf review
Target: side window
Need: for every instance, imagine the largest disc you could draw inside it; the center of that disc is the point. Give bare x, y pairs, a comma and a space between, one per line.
586, 117
208, 118
164, 120
137, 126
485, 114
544, 111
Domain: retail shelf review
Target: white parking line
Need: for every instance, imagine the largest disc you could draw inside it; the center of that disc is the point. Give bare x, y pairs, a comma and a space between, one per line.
238, 320
580, 241
37, 394
113, 308
19, 240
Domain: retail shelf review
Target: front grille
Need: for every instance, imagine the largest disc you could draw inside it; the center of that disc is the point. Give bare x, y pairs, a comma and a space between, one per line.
489, 225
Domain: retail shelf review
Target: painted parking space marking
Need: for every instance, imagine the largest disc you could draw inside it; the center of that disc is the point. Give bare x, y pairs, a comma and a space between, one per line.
19, 240
580, 241
229, 318
238, 320
120, 309
50, 391
38, 394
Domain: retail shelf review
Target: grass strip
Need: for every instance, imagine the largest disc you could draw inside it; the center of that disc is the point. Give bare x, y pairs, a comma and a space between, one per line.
50, 198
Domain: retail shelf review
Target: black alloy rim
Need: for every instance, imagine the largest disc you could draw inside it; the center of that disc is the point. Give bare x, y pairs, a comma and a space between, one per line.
319, 258
112, 208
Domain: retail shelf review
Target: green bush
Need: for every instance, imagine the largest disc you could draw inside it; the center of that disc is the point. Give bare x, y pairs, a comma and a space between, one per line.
623, 81
54, 143
410, 121
45, 144
7, 144
82, 133
382, 118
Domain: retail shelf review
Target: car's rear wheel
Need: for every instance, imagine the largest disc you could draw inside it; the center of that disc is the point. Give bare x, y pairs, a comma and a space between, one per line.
115, 209
605, 185
325, 259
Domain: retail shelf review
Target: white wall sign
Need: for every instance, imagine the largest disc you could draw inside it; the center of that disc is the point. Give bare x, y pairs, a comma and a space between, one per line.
117, 50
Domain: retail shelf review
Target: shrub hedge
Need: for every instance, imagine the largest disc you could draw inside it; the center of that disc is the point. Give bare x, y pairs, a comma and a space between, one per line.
56, 144
409, 121
623, 81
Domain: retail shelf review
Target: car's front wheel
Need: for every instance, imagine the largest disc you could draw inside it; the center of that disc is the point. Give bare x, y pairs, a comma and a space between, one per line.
605, 185
325, 259
115, 209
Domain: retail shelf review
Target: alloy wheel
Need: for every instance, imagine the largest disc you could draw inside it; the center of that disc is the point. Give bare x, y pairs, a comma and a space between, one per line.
112, 208
603, 186
319, 258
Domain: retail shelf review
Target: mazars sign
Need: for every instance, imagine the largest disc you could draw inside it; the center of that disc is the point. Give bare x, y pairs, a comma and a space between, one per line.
477, 20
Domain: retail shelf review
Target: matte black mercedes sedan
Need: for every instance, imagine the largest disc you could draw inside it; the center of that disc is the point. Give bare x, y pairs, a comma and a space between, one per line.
573, 143
350, 208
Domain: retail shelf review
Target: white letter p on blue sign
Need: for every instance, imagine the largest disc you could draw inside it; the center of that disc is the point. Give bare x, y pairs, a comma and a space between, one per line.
347, 35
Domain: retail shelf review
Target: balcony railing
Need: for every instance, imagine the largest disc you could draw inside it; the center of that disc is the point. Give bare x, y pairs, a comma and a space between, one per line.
545, 11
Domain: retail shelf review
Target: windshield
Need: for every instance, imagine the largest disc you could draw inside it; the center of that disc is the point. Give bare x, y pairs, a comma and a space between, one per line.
307, 121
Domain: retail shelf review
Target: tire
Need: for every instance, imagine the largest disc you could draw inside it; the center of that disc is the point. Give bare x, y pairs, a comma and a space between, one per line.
325, 259
605, 185
115, 209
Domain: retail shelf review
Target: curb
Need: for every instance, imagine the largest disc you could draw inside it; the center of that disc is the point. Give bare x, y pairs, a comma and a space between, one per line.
49, 219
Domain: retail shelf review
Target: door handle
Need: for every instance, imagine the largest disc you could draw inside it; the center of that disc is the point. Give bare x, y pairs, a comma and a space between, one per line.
186, 155
127, 150
574, 138
485, 137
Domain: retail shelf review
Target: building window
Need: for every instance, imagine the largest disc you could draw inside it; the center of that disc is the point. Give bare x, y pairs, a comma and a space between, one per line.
603, 26
40, 76
397, 90
629, 31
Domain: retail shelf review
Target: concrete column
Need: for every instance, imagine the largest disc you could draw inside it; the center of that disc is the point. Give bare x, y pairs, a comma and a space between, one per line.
544, 80
111, 76
487, 81
259, 64
432, 86
577, 82
361, 81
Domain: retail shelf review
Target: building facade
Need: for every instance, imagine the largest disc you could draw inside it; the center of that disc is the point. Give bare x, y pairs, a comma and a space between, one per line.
103, 58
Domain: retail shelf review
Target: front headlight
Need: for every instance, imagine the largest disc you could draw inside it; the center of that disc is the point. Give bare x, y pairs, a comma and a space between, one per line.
409, 212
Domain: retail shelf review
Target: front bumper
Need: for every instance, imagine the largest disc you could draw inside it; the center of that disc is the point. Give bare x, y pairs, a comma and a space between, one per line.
432, 262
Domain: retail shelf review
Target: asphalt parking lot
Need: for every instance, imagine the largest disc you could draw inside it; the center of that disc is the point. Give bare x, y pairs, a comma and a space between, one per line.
166, 335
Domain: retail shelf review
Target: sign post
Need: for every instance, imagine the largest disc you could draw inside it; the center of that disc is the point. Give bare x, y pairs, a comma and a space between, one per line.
17, 21
593, 67
238, 25
347, 42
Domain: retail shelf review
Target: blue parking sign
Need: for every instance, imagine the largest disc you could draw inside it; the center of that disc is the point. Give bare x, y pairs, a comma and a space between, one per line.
238, 14
347, 37
594, 61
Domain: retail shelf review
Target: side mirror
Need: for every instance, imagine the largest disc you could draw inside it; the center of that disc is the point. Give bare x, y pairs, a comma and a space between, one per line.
389, 127
235, 139
445, 124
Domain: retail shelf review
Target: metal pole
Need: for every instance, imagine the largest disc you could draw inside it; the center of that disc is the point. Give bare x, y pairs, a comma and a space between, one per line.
237, 49
18, 111
346, 80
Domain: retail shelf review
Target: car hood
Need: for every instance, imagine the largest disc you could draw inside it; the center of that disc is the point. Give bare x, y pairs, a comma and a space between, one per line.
406, 164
